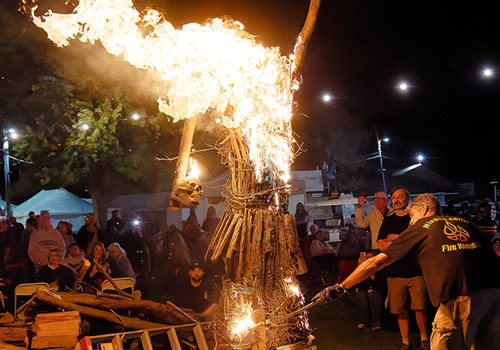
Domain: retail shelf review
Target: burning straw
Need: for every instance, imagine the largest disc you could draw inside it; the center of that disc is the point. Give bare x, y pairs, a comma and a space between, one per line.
246, 319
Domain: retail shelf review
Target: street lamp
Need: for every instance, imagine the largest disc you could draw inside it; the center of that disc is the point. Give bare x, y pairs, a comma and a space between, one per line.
327, 98
487, 72
380, 156
403, 86
6, 166
420, 158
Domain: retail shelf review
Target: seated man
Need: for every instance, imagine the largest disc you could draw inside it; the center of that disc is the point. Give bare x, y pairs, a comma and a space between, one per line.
197, 293
55, 274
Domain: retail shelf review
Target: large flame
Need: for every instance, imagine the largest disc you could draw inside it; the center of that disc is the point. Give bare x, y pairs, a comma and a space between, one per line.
240, 326
215, 67
194, 170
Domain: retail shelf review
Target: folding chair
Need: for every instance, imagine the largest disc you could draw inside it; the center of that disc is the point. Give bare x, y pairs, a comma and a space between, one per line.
122, 282
27, 289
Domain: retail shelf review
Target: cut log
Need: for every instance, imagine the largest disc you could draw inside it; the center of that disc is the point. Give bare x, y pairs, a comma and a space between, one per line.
163, 313
13, 333
127, 322
5, 346
47, 341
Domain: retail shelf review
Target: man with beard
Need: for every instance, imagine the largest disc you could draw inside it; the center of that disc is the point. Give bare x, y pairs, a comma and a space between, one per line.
405, 283
198, 293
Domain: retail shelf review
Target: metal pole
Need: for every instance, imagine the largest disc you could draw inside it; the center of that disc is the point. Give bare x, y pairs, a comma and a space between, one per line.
494, 183
6, 172
380, 157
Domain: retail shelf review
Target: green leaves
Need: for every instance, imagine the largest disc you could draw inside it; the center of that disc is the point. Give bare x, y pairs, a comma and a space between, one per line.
99, 132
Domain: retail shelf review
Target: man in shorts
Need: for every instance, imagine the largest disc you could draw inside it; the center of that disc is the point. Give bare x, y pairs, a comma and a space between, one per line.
405, 283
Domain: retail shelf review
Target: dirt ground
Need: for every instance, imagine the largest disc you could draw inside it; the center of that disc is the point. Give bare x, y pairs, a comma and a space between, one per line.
335, 326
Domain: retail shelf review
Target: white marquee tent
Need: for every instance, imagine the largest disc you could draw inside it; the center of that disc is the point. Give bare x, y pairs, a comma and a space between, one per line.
61, 205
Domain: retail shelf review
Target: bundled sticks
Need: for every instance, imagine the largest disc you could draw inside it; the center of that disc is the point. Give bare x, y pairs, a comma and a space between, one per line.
261, 243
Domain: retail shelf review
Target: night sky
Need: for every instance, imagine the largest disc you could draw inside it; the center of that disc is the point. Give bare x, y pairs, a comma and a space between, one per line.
358, 53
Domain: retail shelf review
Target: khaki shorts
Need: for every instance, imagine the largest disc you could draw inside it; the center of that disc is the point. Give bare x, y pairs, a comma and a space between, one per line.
468, 322
402, 289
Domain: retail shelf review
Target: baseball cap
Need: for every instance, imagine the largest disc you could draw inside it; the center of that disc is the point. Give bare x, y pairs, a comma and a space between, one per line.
195, 265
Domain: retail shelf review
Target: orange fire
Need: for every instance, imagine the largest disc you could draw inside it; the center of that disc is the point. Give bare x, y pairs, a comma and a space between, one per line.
209, 66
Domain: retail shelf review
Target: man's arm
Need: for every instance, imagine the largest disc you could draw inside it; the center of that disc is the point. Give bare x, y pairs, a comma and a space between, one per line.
366, 269
385, 242
361, 221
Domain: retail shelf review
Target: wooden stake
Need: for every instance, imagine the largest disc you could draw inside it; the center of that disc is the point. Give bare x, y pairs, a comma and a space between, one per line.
183, 160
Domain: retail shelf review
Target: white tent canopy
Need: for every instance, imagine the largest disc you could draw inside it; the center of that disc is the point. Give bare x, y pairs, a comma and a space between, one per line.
3, 207
61, 205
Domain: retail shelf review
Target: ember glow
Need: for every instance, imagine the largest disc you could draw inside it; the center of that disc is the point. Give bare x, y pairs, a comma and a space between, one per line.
214, 67
293, 288
241, 325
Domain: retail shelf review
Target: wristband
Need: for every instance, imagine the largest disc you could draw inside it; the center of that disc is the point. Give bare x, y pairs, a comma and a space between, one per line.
392, 237
342, 289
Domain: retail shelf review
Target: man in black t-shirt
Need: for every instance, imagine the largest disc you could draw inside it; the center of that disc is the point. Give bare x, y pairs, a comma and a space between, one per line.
461, 272
405, 283
198, 293
55, 274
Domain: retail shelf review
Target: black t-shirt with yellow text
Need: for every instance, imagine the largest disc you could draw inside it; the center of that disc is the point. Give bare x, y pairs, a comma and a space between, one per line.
454, 258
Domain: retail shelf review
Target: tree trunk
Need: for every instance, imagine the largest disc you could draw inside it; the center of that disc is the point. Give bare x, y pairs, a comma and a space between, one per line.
127, 322
105, 184
159, 312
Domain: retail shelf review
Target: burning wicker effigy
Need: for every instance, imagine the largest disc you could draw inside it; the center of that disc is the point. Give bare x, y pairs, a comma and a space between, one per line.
258, 242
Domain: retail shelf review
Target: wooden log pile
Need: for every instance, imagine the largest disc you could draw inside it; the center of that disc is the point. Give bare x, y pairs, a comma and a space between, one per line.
60, 330
56, 330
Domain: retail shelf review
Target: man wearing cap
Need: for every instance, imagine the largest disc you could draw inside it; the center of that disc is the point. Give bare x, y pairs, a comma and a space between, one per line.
198, 293
460, 270
372, 220
405, 283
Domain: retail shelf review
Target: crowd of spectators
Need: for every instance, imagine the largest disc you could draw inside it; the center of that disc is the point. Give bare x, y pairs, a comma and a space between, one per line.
80, 261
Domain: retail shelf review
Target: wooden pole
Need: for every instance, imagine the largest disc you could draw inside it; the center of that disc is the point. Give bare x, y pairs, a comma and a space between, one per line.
183, 160
118, 289
164, 313
299, 51
127, 322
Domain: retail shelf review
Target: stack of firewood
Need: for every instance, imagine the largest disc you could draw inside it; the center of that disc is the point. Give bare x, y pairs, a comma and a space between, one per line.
56, 330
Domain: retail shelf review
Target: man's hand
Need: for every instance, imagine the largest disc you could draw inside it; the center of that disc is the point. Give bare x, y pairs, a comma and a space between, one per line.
330, 293
361, 201
1, 284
